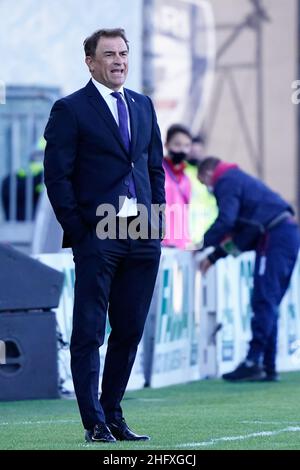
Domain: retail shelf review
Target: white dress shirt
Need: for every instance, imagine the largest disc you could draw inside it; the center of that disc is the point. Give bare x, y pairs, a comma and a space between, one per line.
129, 207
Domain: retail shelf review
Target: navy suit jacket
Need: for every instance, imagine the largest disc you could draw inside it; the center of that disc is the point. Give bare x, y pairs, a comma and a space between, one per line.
86, 163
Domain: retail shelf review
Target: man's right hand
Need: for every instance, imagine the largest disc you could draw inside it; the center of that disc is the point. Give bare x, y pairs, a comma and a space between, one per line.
204, 265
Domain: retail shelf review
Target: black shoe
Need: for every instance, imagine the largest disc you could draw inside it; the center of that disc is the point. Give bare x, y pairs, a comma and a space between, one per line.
271, 376
100, 433
121, 432
88, 435
247, 370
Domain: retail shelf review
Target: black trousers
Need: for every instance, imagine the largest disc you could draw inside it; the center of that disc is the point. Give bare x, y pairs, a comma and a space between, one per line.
118, 277
275, 260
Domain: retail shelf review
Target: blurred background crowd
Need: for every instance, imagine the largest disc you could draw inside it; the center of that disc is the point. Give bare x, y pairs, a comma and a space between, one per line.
220, 73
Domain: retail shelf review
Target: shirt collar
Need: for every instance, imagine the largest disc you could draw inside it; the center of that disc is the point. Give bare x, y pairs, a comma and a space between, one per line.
220, 169
104, 90
178, 169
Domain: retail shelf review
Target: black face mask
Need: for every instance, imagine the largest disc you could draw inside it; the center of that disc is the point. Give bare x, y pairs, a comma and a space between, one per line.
177, 157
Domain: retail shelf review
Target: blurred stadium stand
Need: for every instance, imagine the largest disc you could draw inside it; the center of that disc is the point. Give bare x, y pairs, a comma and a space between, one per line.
22, 123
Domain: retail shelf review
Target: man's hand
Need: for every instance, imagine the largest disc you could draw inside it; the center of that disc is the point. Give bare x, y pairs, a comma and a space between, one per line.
204, 265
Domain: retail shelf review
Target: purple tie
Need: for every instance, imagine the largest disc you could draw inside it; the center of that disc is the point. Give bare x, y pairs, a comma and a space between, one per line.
123, 127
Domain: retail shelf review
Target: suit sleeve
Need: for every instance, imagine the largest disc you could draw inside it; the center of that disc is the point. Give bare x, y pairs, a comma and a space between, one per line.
228, 201
60, 154
156, 171
155, 159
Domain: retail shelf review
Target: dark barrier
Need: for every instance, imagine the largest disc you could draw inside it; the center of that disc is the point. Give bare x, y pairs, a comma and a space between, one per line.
30, 368
28, 339
27, 284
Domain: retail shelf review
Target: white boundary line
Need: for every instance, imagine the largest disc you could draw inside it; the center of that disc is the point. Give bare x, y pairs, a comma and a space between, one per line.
241, 437
214, 441
278, 423
33, 423
210, 442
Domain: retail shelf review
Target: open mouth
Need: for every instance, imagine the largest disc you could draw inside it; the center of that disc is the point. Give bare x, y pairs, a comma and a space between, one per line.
117, 71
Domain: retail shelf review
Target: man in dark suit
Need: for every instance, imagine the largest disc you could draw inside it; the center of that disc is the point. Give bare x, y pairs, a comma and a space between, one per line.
104, 154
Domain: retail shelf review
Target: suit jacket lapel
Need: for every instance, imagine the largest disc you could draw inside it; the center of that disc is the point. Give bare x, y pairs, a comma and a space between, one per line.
103, 110
133, 119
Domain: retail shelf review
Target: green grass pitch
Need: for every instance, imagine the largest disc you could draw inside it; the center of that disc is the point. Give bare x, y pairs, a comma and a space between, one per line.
202, 415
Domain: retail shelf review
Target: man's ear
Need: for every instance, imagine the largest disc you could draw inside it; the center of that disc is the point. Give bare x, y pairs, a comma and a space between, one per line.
209, 175
199, 176
206, 177
89, 63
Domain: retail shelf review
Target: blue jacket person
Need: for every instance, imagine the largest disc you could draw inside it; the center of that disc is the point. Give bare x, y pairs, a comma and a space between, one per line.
253, 217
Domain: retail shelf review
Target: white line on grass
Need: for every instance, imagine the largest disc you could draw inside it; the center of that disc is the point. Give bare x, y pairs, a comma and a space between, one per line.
216, 440
151, 399
281, 422
20, 423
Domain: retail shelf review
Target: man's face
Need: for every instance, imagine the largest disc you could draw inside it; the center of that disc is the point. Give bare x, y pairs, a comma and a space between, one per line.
109, 66
206, 178
197, 151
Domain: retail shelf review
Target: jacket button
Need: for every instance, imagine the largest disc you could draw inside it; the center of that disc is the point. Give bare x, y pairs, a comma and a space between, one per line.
132, 164
126, 182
